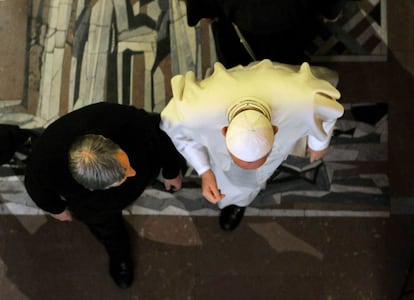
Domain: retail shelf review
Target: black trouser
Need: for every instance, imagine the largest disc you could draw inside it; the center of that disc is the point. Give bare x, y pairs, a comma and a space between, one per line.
111, 231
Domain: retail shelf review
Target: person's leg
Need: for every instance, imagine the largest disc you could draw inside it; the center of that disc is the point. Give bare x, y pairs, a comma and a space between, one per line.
111, 232
282, 47
230, 52
240, 188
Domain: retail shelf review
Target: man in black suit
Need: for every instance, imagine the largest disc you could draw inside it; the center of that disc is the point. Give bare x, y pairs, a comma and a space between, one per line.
270, 29
94, 162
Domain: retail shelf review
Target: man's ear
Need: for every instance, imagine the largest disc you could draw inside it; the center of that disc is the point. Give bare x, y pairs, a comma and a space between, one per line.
275, 129
224, 130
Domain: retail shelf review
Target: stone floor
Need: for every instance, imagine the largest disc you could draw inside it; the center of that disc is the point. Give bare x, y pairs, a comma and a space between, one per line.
191, 258
296, 252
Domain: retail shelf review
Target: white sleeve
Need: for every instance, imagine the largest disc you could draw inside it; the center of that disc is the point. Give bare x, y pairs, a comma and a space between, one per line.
326, 112
321, 144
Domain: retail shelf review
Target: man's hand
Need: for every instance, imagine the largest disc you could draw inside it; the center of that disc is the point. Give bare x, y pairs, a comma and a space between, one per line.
63, 216
208, 20
173, 184
326, 20
209, 187
315, 155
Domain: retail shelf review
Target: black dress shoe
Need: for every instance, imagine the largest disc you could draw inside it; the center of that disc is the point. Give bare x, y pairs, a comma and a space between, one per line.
231, 216
122, 272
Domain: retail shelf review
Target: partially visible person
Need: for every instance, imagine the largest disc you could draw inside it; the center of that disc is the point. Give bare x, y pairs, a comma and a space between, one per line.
251, 30
95, 161
237, 126
15, 139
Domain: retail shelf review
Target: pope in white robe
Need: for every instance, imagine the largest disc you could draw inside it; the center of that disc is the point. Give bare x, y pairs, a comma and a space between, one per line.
299, 101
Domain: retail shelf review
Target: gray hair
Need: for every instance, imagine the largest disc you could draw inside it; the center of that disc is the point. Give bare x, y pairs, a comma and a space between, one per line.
92, 162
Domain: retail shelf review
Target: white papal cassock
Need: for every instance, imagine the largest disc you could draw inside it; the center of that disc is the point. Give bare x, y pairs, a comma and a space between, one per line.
303, 104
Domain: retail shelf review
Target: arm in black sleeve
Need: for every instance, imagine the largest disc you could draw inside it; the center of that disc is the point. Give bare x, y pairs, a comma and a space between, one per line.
198, 9
44, 198
172, 161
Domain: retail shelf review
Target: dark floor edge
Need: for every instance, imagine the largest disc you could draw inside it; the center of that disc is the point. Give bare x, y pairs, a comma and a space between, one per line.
402, 206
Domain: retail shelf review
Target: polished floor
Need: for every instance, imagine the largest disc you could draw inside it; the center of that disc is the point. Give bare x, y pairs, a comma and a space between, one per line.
267, 257
191, 258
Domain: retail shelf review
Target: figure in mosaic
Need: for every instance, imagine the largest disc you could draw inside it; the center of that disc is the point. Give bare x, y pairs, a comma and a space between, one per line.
95, 161
238, 125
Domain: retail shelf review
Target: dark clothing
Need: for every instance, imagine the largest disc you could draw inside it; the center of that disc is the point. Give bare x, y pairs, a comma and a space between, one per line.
51, 186
276, 30
136, 132
11, 138
14, 139
112, 233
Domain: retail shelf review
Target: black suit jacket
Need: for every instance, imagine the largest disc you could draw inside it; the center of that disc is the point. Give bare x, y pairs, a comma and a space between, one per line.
263, 16
48, 179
